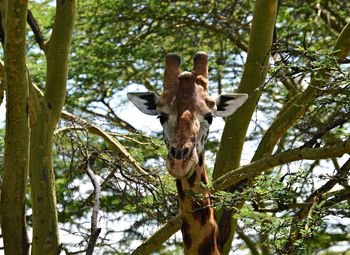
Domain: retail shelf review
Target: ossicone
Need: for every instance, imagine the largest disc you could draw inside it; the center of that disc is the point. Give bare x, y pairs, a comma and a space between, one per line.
172, 71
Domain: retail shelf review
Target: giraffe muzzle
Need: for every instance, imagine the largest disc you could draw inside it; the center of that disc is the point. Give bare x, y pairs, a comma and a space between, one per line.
180, 168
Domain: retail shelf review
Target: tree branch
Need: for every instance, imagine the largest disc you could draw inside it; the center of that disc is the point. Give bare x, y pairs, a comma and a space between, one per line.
250, 244
16, 154
118, 148
335, 21
338, 196
314, 199
44, 115
2, 79
2, 31
340, 120
242, 173
121, 123
255, 168
289, 115
103, 184
254, 75
162, 234
95, 230
328, 19
39, 38
57, 52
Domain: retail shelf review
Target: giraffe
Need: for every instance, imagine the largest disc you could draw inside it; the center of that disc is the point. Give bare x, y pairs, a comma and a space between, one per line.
185, 111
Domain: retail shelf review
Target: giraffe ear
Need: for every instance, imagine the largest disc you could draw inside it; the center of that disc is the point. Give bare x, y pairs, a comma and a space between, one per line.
144, 101
228, 104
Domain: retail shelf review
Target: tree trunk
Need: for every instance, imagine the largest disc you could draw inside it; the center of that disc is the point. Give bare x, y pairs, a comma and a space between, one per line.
17, 129
45, 112
253, 78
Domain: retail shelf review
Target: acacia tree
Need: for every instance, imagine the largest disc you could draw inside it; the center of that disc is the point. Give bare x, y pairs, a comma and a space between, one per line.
244, 178
31, 118
16, 156
253, 76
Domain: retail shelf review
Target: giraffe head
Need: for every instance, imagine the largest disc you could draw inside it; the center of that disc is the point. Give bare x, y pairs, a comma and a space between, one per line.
185, 110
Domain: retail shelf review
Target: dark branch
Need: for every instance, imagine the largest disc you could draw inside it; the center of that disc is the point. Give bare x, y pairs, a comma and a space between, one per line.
95, 231
341, 174
339, 196
315, 198
2, 32
39, 38
90, 198
326, 128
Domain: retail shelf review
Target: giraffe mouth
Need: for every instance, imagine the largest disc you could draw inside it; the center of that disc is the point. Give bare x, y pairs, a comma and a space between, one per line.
182, 168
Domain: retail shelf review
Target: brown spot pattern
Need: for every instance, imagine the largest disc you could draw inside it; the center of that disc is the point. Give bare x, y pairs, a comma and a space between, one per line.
180, 190
225, 228
204, 178
191, 180
201, 211
200, 160
208, 245
185, 229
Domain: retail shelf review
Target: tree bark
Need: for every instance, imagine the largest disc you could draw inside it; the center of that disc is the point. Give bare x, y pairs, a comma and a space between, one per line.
44, 114
253, 79
255, 168
16, 156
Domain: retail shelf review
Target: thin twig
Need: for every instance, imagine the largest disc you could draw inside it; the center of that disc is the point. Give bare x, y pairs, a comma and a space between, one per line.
104, 183
95, 230
118, 148
338, 121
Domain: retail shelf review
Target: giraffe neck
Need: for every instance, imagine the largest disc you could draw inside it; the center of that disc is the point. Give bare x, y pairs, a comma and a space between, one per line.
199, 228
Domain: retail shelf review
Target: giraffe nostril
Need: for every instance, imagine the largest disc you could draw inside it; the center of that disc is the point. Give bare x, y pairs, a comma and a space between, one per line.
185, 153
178, 154
172, 152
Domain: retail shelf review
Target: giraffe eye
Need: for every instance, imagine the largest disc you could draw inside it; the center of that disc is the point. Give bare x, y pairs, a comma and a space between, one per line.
209, 118
162, 118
